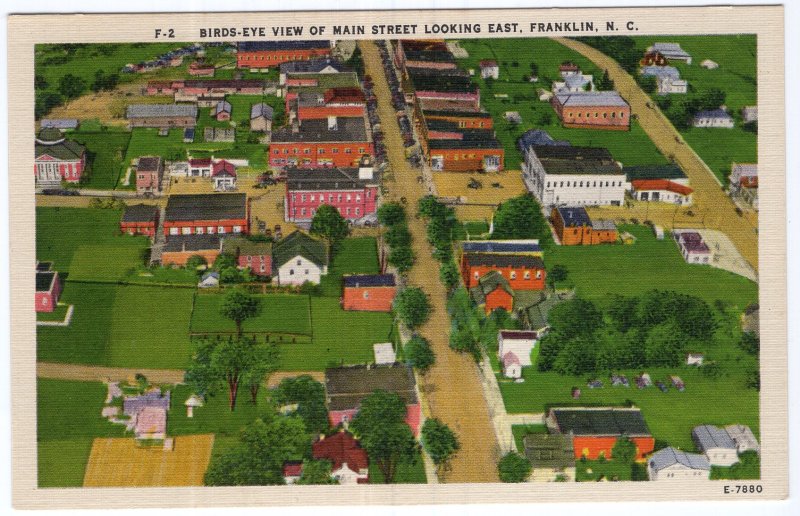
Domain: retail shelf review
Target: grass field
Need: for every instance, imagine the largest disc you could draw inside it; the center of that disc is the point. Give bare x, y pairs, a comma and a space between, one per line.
630, 147
105, 152
280, 314
69, 236
354, 256
597, 271
123, 326
68, 419
610, 470
56, 315
214, 416
406, 473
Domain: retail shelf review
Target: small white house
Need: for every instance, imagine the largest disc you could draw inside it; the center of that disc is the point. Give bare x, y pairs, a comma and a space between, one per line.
209, 280
519, 342
716, 445
695, 359
511, 366
489, 68
743, 438
708, 64
223, 174
574, 83
299, 259
670, 464
713, 118
384, 353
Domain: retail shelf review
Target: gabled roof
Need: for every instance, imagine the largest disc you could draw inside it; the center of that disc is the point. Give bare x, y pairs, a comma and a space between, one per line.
660, 71
206, 207
222, 107
575, 216
347, 386
612, 421
333, 178
591, 98
192, 243
510, 358
314, 65
44, 280
491, 281
341, 448
707, 437
161, 110
261, 109
140, 213
60, 123
536, 137
223, 168
298, 243
369, 280
660, 184
241, 246
718, 113
149, 164
670, 456
347, 95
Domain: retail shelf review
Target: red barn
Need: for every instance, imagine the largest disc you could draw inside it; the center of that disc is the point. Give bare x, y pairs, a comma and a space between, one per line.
270, 54
352, 191
57, 159
48, 288
331, 142
595, 430
256, 256
347, 386
140, 219
200, 214
369, 292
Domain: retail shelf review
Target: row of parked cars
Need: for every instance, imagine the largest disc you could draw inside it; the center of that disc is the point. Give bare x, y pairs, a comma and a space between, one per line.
374, 120
398, 99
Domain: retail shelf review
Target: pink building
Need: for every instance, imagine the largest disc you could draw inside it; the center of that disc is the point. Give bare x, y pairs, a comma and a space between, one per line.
352, 191
149, 173
57, 158
48, 288
347, 386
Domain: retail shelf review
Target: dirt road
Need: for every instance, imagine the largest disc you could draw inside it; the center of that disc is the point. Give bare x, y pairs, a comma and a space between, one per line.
452, 387
712, 204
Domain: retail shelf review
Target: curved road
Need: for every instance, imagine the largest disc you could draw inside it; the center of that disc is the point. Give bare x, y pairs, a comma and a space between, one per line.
714, 208
452, 387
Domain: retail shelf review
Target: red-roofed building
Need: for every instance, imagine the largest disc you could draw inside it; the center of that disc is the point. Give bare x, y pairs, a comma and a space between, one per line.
292, 471
661, 190
369, 292
201, 70
350, 464
223, 173
200, 167
336, 102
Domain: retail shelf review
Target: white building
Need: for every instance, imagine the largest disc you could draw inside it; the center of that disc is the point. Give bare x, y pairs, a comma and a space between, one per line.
708, 64
661, 190
489, 69
692, 247
299, 259
574, 83
671, 464
743, 438
713, 118
716, 445
384, 353
695, 359
668, 79
750, 114
519, 342
574, 176
672, 51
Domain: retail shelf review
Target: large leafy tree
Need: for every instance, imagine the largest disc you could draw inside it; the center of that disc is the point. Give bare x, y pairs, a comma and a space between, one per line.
439, 441
265, 360
380, 426
309, 395
238, 306
259, 456
575, 317
412, 306
624, 450
520, 217
513, 467
329, 224
71, 86
391, 214
419, 354
316, 472
665, 345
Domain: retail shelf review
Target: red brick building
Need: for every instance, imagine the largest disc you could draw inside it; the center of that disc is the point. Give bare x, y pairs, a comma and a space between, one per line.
316, 143
369, 292
492, 291
352, 191
595, 430
198, 69
466, 155
336, 102
179, 248
149, 173
573, 226
57, 159
256, 256
139, 219
48, 288
593, 110
195, 87
464, 119
270, 54
522, 272
206, 214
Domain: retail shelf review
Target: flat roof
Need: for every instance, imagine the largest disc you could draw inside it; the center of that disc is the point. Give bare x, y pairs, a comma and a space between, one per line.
161, 110
206, 207
501, 246
369, 280
348, 129
504, 260
613, 421
348, 386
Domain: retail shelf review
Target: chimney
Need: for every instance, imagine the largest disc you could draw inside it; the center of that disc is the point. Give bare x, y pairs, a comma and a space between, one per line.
295, 127
332, 125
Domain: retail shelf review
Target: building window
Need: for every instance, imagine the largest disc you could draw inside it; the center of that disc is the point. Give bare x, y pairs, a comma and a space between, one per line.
527, 275
221, 230
357, 211
348, 197
513, 275
299, 262
291, 272
306, 272
186, 231
320, 151
366, 294
263, 268
476, 275
249, 259
200, 230
538, 274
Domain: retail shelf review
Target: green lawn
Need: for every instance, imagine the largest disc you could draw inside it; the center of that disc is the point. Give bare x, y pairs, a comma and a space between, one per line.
56, 315
354, 256
122, 326
86, 243
629, 147
145, 141
68, 419
597, 271
406, 473
105, 152
594, 470
215, 416
520, 431
280, 314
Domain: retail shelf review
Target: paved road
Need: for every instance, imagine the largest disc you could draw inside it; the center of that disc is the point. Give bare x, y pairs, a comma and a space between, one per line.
452, 387
87, 373
719, 212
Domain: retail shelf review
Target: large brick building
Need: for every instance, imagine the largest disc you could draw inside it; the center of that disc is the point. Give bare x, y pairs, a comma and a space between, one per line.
200, 214
271, 54
179, 248
337, 102
594, 431
139, 219
352, 191
57, 159
432, 54
593, 110
482, 153
573, 226
330, 142
523, 272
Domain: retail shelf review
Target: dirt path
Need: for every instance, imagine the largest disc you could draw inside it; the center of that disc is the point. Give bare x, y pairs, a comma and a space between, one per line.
452, 387
715, 210
89, 373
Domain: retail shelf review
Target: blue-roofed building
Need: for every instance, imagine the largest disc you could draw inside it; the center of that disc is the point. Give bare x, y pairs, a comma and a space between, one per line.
673, 464
538, 137
573, 226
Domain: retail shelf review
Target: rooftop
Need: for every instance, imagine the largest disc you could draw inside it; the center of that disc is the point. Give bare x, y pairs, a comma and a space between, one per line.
140, 213
44, 280
347, 386
349, 129
328, 178
591, 98
713, 113
538, 137
613, 421
206, 207
670, 456
239, 245
661, 184
576, 216
299, 243
501, 246
341, 448
149, 164
668, 171
518, 335
707, 437
369, 280
161, 110
191, 243
261, 109
256, 46
549, 451
314, 65
504, 260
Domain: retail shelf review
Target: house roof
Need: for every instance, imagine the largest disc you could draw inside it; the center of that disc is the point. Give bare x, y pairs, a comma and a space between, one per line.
510, 358
518, 335
192, 243
140, 213
347, 386
744, 170
718, 113
344, 94
348, 129
223, 168
51, 142
210, 84
487, 63
568, 66
261, 109
670, 456
538, 311
200, 162
46, 266
501, 246
314, 65
504, 260
369, 280
538, 137
210, 275
456, 113
60, 123
206, 207
670, 50
293, 468
574, 216
44, 280
742, 436
149, 164
241, 246
437, 56
668, 171
603, 225
441, 82
660, 184
151, 420
591, 98
612, 421
707, 437
161, 110
484, 141
490, 282
131, 405
222, 107
439, 72
332, 178
661, 71
549, 451
460, 106
341, 448
299, 243
570, 153
256, 46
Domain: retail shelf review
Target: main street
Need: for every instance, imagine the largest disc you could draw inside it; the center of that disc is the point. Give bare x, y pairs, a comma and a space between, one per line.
710, 201
452, 387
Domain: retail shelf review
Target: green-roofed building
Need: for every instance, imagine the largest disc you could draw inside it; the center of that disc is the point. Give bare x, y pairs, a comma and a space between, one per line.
551, 456
492, 292
299, 259
320, 82
57, 159
670, 172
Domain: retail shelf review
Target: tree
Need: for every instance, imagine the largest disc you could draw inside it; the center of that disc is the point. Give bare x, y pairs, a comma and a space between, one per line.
712, 99
71, 86
448, 274
412, 306
402, 258
195, 262
556, 274
391, 214
238, 306
419, 354
46, 101
398, 236
329, 224
648, 83
624, 450
513, 467
40, 82
534, 69
750, 343
439, 441
427, 206
575, 317
264, 361
518, 218
224, 261
259, 456
577, 356
309, 395
316, 472
230, 275
622, 312
664, 345
104, 82
380, 425
604, 83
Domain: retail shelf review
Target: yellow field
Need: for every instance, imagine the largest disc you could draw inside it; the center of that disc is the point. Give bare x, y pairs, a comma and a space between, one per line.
119, 462
454, 184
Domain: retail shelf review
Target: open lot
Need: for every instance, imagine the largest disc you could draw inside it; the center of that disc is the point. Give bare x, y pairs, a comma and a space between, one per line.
629, 147
105, 151
120, 462
281, 314
354, 256
480, 203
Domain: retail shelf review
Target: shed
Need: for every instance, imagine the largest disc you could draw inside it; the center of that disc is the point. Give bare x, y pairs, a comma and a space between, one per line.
384, 353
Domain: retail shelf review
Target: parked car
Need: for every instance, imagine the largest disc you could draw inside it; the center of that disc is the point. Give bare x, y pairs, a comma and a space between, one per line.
662, 387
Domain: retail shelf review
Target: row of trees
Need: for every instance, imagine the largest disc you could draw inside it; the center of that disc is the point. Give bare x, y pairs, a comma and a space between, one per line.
653, 330
393, 216
621, 48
